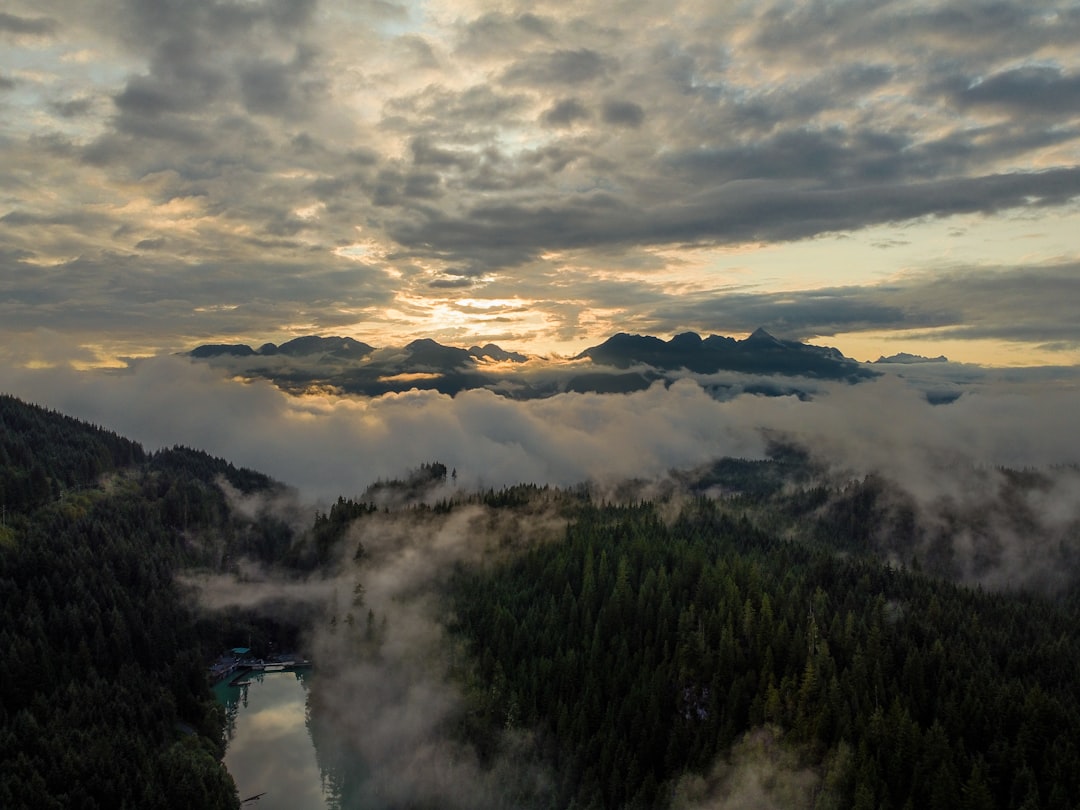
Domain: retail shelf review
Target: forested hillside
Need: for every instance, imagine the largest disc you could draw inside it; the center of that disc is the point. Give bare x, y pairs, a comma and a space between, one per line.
43, 453
104, 701
641, 651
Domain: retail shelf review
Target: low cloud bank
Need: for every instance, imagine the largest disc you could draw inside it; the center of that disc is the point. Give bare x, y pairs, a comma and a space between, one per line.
326, 446
944, 458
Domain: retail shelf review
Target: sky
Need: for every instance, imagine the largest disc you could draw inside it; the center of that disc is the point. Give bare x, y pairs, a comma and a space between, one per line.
875, 176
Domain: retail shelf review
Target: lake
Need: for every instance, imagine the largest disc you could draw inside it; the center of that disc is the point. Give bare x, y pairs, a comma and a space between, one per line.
269, 745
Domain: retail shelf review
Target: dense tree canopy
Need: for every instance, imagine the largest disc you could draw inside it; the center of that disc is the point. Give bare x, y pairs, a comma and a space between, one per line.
642, 650
104, 699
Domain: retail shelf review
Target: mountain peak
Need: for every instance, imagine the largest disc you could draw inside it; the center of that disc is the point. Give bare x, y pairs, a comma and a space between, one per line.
343, 347
686, 340
491, 351
424, 343
431, 353
761, 337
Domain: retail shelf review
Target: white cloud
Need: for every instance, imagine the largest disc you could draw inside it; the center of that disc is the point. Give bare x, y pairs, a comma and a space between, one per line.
328, 445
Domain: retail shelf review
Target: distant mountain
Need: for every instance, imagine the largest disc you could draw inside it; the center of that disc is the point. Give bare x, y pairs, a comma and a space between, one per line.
760, 353
424, 351
621, 364
909, 359
358, 368
344, 348
223, 350
432, 354
492, 352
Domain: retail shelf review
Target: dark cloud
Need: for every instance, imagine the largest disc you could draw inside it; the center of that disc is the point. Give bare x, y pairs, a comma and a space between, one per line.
34, 26
450, 283
381, 10
1051, 336
170, 131
623, 113
387, 188
268, 87
962, 28
834, 155
362, 156
419, 51
1027, 89
564, 113
796, 315
207, 63
152, 96
424, 153
494, 235
496, 33
1029, 304
732, 211
79, 219
159, 21
120, 296
438, 110
423, 185
73, 108
798, 99
560, 67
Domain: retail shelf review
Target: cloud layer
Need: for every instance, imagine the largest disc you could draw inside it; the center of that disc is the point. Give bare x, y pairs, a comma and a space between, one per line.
329, 446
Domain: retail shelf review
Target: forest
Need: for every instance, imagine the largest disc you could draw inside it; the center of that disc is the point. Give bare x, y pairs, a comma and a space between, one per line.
104, 699
640, 650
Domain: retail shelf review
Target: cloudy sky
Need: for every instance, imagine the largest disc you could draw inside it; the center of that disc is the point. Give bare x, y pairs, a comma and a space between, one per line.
876, 176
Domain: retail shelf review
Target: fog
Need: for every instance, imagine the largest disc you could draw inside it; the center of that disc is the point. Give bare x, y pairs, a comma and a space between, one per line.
327, 446
944, 459
759, 773
383, 698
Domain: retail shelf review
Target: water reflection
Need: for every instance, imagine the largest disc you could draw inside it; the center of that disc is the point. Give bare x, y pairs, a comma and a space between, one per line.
269, 745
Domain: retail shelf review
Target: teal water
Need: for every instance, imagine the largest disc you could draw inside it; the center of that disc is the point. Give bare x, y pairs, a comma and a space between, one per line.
269, 748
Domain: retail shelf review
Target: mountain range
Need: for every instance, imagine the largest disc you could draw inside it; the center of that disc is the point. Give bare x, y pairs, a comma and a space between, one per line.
760, 353
621, 364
